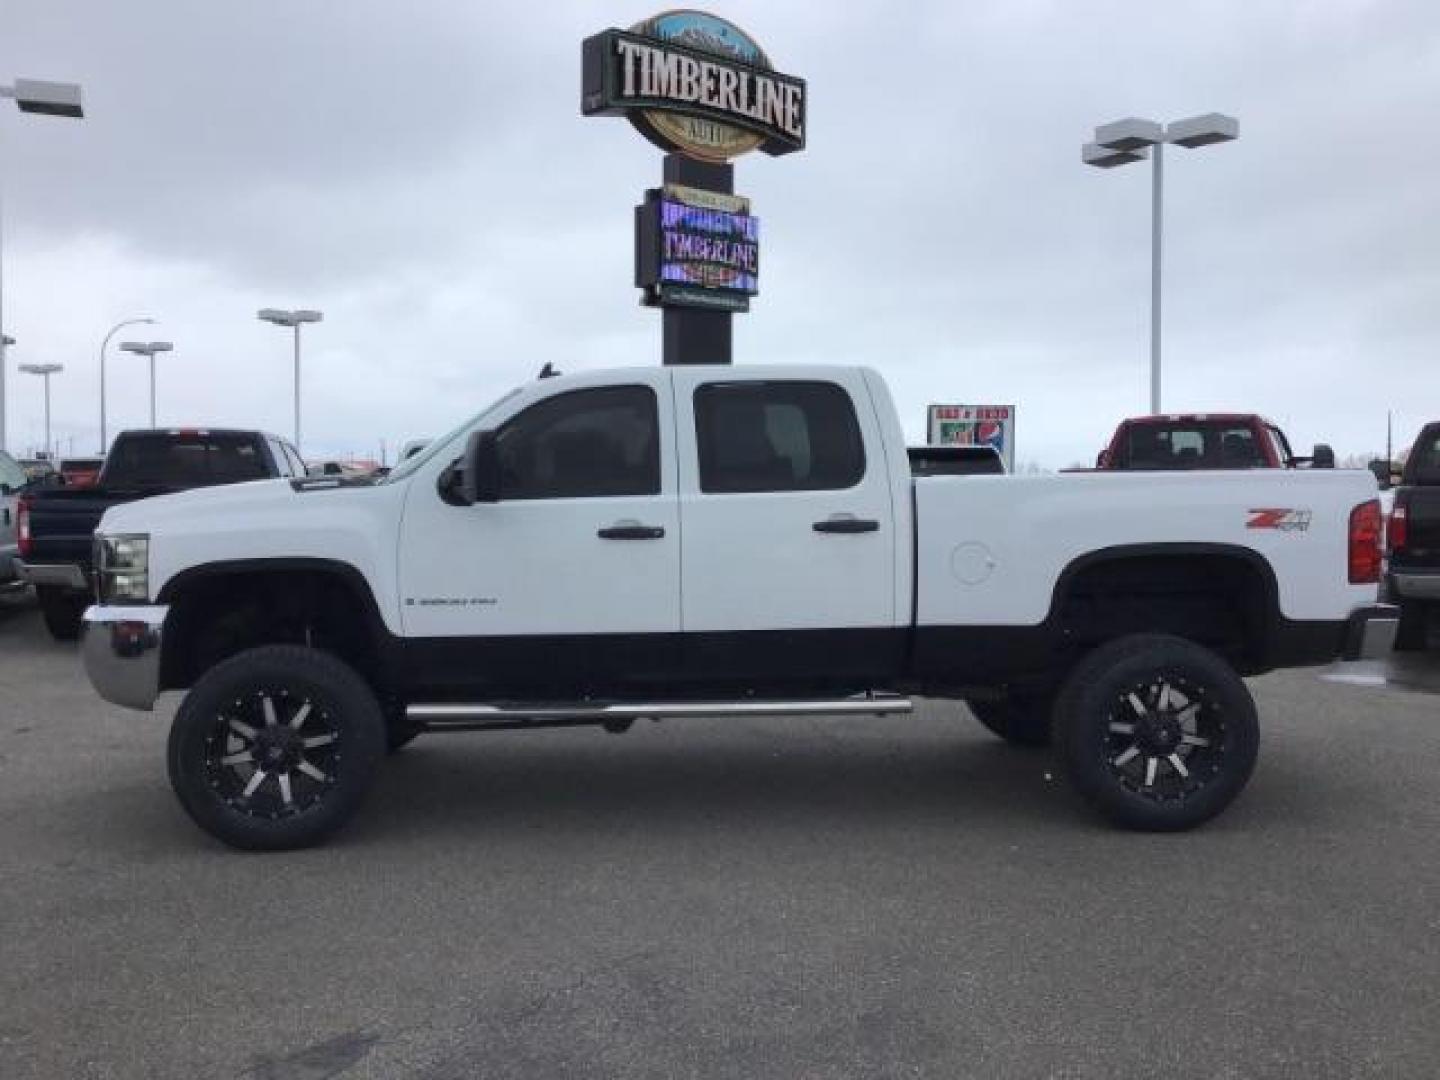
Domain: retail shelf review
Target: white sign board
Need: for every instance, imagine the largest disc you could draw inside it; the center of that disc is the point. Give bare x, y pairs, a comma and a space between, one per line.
974, 425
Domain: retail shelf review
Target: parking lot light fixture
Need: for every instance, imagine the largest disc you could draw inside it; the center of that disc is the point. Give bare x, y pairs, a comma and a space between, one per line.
1123, 142
46, 98
45, 371
148, 349
104, 442
294, 320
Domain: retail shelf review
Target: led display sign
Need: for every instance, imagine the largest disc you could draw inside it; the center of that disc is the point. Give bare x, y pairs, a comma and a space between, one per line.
697, 248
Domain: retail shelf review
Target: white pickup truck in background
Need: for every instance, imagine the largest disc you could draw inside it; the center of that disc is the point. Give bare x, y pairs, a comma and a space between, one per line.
716, 541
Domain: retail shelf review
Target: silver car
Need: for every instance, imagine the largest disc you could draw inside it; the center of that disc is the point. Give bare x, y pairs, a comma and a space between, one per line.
12, 479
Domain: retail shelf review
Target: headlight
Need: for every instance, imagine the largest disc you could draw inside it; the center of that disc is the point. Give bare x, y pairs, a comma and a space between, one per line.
122, 567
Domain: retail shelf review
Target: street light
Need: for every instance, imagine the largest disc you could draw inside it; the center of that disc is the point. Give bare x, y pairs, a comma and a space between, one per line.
45, 371
104, 443
51, 99
1127, 141
148, 349
293, 319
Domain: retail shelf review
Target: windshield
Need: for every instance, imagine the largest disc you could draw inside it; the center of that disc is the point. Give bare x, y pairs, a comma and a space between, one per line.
11, 474
411, 464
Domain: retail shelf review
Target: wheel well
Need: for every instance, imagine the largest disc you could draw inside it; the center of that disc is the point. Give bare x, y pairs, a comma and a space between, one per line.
1222, 601
219, 613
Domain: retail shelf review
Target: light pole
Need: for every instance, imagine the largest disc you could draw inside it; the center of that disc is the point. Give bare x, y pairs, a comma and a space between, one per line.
45, 371
148, 349
1126, 141
49, 99
293, 319
104, 442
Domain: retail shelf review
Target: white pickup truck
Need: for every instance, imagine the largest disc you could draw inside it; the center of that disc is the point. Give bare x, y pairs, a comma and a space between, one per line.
719, 541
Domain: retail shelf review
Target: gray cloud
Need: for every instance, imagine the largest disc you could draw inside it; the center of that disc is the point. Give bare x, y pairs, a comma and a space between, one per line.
421, 172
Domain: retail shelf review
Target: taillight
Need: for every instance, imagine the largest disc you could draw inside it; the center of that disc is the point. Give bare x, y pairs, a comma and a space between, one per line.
1365, 551
22, 525
1399, 532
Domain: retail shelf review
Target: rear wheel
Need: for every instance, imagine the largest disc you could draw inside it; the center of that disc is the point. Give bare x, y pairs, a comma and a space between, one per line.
1413, 633
275, 747
1019, 719
61, 609
1157, 732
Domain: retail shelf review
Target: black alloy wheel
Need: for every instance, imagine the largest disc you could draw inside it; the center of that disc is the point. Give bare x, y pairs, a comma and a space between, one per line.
1157, 732
275, 747
272, 754
1165, 738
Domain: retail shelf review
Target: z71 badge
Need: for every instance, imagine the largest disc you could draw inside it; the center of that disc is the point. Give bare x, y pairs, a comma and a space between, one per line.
1284, 520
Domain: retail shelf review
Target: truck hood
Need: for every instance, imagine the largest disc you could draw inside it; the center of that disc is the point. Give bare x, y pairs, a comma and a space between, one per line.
144, 515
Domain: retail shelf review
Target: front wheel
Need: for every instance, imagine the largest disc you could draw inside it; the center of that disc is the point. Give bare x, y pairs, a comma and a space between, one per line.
1413, 633
275, 747
1157, 732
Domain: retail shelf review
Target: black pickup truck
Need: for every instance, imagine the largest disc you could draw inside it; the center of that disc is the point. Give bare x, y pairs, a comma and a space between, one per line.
1413, 578
56, 524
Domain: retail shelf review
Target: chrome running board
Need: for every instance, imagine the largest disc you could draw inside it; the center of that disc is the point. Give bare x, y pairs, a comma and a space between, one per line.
467, 717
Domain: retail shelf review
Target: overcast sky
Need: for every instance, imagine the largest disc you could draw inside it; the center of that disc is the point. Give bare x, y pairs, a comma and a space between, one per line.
422, 174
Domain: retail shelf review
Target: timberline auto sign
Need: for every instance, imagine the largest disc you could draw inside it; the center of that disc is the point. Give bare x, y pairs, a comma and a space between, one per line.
694, 83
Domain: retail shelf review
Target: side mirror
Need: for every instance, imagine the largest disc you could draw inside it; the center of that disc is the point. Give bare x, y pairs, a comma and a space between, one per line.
480, 474
6, 491
1323, 457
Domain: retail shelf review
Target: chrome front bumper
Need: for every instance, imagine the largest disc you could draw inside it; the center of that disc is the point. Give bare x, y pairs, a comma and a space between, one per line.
66, 575
121, 650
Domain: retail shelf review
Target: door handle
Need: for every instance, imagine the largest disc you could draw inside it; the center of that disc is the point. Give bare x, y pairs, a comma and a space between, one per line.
630, 530
846, 523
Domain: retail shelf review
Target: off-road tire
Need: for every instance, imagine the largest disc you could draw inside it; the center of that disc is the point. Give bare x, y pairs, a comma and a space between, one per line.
1413, 632
1119, 686
340, 737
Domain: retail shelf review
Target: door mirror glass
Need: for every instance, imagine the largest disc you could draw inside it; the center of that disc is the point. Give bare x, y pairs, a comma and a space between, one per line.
1323, 457
480, 472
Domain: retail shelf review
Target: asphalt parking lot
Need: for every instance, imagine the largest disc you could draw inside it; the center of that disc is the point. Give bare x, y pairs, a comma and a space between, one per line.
846, 898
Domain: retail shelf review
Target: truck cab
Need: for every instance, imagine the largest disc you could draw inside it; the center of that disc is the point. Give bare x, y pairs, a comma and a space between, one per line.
1204, 441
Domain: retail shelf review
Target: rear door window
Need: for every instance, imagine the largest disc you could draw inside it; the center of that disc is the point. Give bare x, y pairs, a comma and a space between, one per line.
777, 436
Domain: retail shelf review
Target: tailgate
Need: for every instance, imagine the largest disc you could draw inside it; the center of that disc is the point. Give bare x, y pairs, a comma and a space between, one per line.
62, 523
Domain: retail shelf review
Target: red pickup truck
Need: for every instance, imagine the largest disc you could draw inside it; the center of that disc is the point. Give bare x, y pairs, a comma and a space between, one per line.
1205, 441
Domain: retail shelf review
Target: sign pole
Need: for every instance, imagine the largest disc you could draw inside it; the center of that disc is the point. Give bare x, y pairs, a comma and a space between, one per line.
694, 335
